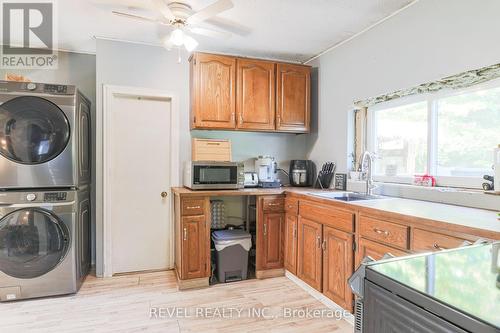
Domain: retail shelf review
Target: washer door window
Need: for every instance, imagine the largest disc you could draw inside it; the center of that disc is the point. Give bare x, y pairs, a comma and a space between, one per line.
32, 242
33, 130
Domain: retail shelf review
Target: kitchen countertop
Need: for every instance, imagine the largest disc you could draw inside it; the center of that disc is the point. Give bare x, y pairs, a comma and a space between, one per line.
481, 222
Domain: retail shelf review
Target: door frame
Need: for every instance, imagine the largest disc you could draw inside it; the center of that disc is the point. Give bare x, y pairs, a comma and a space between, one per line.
104, 266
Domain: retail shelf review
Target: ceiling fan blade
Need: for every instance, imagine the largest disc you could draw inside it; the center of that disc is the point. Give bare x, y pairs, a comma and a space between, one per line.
210, 33
229, 25
134, 17
209, 11
137, 17
164, 9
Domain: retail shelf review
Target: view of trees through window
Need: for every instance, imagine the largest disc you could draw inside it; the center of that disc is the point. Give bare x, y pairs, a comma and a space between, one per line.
463, 130
401, 140
468, 130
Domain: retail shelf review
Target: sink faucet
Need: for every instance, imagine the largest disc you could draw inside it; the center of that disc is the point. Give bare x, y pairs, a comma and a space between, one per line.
366, 168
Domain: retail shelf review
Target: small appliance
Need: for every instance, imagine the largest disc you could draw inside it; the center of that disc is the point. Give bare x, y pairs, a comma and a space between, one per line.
301, 173
251, 179
45, 242
44, 136
200, 175
267, 168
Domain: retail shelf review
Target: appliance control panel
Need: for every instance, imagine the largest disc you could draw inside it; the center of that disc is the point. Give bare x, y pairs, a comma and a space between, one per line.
55, 196
55, 88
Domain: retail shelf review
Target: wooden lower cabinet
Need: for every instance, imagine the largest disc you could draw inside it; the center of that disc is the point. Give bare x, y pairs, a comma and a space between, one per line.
374, 250
194, 247
337, 266
425, 241
270, 233
291, 243
309, 258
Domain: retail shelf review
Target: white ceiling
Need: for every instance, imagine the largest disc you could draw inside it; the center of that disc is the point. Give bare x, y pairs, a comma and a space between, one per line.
278, 29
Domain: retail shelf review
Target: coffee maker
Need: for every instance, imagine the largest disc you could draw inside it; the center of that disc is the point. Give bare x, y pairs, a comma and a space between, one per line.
301, 173
267, 168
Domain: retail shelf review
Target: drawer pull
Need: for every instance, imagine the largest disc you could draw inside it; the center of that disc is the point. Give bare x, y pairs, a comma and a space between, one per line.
273, 204
185, 234
381, 232
193, 207
437, 247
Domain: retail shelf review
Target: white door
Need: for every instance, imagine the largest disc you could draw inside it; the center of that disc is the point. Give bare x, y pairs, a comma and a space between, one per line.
138, 172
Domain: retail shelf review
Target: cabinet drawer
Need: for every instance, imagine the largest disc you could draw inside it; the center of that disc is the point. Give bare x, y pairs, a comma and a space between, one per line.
274, 204
292, 206
424, 241
384, 232
329, 216
193, 207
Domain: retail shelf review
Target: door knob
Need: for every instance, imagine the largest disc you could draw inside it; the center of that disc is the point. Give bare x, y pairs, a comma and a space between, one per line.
164, 194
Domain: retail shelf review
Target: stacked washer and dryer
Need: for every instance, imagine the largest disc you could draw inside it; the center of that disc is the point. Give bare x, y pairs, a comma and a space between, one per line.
45, 169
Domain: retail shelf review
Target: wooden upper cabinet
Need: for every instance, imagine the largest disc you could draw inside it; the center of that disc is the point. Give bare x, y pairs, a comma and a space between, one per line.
231, 93
213, 91
309, 259
337, 266
255, 94
293, 98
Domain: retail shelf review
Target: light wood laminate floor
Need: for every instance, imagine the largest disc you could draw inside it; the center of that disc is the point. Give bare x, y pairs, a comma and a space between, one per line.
124, 303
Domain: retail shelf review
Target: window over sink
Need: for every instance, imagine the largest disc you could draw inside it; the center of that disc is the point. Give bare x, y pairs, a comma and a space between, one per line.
450, 135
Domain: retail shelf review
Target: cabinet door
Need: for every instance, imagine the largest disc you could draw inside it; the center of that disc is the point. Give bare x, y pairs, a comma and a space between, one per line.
213, 91
374, 250
291, 243
272, 240
194, 247
293, 101
255, 97
337, 266
309, 259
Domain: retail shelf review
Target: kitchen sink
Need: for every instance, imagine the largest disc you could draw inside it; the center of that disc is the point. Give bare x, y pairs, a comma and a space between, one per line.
346, 196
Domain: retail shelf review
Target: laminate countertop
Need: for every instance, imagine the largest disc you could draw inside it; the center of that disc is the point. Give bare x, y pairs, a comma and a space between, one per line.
481, 222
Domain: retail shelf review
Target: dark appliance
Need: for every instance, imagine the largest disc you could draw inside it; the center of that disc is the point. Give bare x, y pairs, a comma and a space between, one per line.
302, 173
448, 291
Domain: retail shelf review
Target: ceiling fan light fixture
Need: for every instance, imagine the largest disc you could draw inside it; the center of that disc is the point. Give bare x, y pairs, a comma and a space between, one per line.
177, 37
190, 43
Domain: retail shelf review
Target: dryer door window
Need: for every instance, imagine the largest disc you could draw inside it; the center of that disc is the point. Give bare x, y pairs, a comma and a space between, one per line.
33, 130
32, 242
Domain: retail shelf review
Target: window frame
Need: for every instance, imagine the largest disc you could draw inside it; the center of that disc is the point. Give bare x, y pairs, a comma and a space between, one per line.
432, 134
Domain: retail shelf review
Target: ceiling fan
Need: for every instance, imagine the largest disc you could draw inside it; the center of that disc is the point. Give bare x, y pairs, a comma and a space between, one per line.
182, 19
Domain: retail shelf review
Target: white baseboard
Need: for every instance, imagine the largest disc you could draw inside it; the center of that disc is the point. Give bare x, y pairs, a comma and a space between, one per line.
319, 296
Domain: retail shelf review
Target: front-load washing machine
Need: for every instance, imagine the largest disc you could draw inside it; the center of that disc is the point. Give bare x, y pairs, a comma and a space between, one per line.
44, 243
44, 136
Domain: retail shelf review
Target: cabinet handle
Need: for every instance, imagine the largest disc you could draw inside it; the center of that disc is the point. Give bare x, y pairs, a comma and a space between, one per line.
273, 204
318, 241
193, 207
241, 119
323, 245
185, 233
294, 231
381, 232
437, 247
265, 229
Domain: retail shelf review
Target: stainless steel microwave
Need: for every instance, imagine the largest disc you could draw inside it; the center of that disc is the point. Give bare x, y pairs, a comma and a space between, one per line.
214, 175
